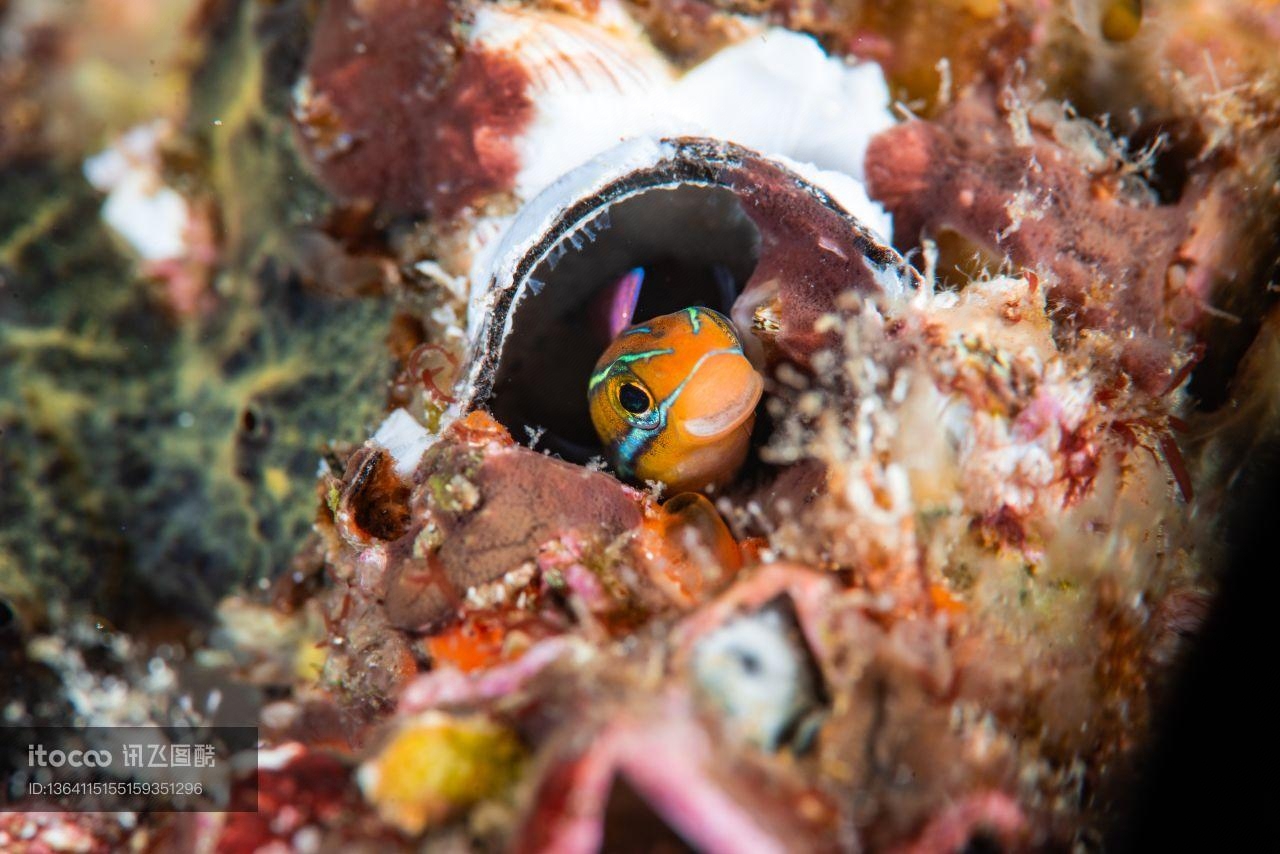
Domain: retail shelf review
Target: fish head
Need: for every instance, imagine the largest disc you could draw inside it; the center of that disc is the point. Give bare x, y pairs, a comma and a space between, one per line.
673, 399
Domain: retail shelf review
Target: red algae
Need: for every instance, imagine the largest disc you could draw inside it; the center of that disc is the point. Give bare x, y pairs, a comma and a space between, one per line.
395, 109
1105, 258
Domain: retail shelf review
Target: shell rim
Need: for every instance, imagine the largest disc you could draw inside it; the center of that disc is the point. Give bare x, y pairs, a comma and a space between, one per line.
684, 161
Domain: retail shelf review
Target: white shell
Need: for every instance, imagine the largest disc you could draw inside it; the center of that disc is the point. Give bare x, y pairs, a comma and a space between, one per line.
780, 94
597, 82
592, 81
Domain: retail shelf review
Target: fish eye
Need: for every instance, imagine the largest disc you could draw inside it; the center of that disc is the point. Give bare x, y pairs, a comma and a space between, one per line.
634, 399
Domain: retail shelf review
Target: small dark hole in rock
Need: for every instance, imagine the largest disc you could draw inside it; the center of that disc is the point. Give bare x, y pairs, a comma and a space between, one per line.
378, 498
1177, 146
253, 423
632, 826
8, 617
982, 842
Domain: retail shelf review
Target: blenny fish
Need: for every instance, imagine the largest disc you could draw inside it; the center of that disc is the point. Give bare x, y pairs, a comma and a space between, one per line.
673, 398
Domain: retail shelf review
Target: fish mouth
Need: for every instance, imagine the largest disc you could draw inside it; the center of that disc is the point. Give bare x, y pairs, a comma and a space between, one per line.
721, 397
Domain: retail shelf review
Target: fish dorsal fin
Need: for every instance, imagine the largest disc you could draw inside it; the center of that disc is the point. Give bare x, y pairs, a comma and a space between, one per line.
615, 306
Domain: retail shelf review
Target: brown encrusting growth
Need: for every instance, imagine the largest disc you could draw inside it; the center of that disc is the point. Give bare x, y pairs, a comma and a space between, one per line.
809, 257
483, 506
1001, 178
393, 108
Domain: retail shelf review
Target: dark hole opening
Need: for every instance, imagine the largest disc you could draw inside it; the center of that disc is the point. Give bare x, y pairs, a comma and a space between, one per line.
632, 825
1178, 145
982, 842
8, 616
697, 247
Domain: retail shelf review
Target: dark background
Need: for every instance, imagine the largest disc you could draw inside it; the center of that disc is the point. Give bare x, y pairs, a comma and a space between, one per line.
1212, 781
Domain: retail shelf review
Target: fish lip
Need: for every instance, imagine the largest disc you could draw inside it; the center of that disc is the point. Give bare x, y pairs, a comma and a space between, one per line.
712, 427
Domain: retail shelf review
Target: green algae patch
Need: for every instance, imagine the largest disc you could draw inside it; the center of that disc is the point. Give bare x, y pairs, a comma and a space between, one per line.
173, 459
153, 460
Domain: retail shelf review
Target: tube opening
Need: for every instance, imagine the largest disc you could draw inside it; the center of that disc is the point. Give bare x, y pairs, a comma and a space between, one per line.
697, 247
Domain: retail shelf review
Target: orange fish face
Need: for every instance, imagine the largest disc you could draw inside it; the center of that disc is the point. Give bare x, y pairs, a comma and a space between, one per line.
673, 399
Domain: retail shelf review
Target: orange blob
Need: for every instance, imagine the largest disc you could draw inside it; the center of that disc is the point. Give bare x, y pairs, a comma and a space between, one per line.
944, 602
473, 644
690, 548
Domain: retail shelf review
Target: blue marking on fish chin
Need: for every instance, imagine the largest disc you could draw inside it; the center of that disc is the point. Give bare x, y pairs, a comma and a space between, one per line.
629, 449
635, 442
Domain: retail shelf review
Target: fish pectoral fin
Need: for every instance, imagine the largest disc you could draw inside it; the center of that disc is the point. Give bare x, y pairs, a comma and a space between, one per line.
724, 397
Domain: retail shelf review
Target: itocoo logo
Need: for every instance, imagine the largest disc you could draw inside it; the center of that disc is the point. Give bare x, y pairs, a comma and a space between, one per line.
38, 756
